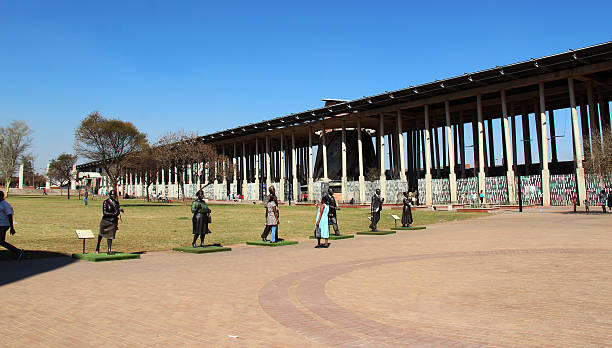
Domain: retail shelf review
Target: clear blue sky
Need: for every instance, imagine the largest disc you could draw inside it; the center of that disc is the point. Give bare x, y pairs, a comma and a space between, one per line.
208, 66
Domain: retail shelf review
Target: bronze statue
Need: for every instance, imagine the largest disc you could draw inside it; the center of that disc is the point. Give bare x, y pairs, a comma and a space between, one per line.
200, 219
406, 211
110, 221
376, 207
333, 207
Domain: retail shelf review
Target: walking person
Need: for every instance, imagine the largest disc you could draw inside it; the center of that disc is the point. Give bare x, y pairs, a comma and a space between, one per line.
610, 200
271, 217
6, 224
322, 222
586, 205
603, 199
85, 196
575, 203
481, 197
333, 207
200, 219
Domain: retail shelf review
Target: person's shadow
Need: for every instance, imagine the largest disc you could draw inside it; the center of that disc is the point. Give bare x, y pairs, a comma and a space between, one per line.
32, 263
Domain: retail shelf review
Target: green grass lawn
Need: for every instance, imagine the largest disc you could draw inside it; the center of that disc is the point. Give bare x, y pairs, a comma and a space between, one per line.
49, 223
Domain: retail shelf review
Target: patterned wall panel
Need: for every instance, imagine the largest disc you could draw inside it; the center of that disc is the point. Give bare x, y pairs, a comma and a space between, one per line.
441, 191
496, 190
370, 189
465, 188
421, 190
562, 189
209, 191
594, 184
531, 187
395, 190
251, 192
352, 191
317, 189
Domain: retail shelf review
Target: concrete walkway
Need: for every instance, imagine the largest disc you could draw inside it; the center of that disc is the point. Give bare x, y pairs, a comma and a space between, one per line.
539, 278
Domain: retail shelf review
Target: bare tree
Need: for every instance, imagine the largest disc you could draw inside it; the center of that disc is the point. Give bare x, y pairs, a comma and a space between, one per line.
108, 142
14, 142
147, 163
181, 149
599, 163
60, 170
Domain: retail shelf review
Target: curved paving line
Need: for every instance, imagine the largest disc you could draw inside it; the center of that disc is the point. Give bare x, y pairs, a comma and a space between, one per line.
342, 327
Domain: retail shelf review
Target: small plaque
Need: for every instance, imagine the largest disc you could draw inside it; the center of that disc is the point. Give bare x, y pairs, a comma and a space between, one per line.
84, 234
396, 217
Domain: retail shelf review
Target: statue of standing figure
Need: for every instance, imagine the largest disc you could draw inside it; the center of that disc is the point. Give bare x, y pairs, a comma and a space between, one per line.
333, 208
110, 221
376, 207
406, 211
200, 219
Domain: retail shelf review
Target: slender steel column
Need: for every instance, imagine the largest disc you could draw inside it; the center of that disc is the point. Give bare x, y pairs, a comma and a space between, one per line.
294, 165
553, 136
452, 177
282, 173
526, 139
437, 151
381, 149
508, 144
400, 144
343, 153
544, 158
324, 146
428, 179
362, 197
310, 178
481, 150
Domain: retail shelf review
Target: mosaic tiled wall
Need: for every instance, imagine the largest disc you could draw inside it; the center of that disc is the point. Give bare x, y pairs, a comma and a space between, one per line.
465, 188
209, 191
370, 189
352, 191
395, 191
421, 190
562, 189
496, 189
594, 185
251, 192
531, 187
440, 191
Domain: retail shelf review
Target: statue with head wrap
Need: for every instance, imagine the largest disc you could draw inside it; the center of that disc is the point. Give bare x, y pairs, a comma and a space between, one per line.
200, 219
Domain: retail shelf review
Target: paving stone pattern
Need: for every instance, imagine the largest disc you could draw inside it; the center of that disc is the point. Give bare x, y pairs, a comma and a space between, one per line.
532, 279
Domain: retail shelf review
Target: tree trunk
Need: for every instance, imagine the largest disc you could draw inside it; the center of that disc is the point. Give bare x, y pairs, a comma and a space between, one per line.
69, 181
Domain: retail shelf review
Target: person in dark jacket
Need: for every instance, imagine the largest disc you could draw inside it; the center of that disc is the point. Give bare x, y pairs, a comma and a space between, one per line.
375, 208
333, 207
201, 214
610, 200
110, 221
406, 211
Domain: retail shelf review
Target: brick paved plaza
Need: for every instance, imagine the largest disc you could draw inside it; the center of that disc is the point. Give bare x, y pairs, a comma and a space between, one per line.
540, 278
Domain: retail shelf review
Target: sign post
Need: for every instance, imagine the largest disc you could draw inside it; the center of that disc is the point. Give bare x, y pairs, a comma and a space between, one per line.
84, 234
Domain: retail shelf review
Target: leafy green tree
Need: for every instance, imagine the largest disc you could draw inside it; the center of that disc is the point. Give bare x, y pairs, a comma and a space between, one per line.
14, 142
108, 142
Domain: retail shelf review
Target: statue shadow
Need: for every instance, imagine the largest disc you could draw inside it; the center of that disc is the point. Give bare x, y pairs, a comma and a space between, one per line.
32, 263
